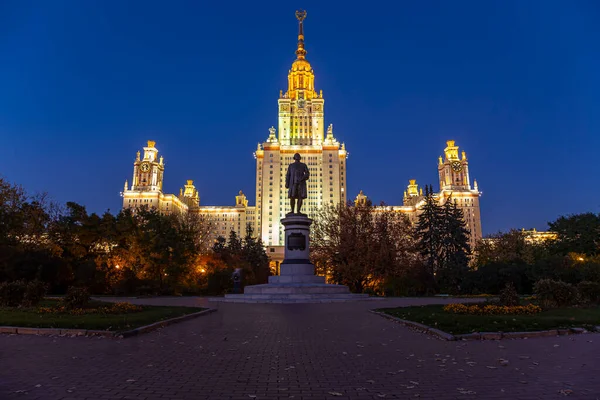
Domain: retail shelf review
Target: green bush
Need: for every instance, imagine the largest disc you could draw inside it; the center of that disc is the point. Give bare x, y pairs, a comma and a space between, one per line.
12, 294
76, 297
553, 293
509, 296
34, 293
589, 292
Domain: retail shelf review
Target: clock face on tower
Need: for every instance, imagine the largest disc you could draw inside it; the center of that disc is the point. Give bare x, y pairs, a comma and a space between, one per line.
301, 103
145, 167
456, 166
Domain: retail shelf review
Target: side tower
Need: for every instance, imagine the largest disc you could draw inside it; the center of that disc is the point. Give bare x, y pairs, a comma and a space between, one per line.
301, 130
455, 184
146, 189
148, 172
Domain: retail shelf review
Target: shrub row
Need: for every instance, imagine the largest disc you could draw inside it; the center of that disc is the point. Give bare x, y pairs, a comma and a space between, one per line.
21, 293
29, 294
551, 293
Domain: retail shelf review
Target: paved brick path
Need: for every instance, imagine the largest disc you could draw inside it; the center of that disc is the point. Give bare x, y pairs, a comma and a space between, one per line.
312, 351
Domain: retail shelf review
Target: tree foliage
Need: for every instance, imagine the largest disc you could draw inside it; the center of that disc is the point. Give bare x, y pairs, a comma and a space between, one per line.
248, 254
443, 241
369, 248
578, 233
363, 247
107, 253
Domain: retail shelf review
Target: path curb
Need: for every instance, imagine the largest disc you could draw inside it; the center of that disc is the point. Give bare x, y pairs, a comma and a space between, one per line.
162, 324
485, 335
17, 330
418, 326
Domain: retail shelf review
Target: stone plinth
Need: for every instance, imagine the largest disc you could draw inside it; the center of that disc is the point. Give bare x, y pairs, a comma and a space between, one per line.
297, 282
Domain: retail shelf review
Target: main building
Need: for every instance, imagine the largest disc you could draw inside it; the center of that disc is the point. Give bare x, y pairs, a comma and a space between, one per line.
300, 129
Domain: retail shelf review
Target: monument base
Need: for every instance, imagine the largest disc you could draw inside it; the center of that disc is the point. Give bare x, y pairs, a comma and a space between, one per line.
297, 282
293, 293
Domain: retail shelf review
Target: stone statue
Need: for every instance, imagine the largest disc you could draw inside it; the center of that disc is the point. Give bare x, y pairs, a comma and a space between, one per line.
295, 181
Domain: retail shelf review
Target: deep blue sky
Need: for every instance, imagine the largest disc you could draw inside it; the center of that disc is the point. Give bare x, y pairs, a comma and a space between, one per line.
84, 84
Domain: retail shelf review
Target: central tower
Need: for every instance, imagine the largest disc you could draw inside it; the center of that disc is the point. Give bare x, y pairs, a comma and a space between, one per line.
300, 107
300, 129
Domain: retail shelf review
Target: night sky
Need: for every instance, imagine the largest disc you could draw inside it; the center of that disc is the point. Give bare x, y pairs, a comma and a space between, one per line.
84, 85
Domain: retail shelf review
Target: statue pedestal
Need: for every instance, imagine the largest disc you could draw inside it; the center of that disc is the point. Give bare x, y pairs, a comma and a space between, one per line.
297, 282
296, 266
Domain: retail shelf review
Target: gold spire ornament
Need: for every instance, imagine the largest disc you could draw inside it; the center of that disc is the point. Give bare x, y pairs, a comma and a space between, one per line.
301, 77
300, 16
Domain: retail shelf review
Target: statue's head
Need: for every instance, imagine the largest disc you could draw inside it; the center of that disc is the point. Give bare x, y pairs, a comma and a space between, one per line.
297, 157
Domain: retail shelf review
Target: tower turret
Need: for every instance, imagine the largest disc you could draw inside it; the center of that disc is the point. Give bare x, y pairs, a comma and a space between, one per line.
148, 171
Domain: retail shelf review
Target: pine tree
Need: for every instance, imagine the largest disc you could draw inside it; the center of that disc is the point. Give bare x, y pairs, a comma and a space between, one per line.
254, 254
429, 232
455, 250
220, 245
234, 244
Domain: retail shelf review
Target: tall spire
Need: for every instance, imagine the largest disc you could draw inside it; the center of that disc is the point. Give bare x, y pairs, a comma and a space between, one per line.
300, 52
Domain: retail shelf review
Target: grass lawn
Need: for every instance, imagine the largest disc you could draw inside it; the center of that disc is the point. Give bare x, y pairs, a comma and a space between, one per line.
113, 322
434, 316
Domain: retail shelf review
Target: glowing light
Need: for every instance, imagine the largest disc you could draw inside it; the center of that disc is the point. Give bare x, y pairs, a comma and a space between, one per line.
117, 266
579, 258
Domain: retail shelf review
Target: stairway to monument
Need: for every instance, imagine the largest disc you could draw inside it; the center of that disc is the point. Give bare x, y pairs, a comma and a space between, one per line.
292, 298
297, 282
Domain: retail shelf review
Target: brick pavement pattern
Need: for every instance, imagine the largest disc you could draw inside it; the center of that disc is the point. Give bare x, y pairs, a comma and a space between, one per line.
296, 351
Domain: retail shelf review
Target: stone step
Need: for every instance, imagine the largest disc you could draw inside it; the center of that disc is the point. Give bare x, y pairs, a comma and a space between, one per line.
295, 288
296, 296
289, 299
287, 279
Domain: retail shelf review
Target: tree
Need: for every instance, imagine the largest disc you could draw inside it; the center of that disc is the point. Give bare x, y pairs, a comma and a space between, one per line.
429, 232
254, 254
25, 248
455, 249
508, 248
579, 233
362, 246
248, 254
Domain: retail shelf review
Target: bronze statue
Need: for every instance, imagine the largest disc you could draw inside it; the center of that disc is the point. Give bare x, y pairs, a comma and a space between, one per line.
295, 181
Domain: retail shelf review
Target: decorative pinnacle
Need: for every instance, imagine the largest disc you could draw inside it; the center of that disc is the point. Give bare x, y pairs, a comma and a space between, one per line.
300, 16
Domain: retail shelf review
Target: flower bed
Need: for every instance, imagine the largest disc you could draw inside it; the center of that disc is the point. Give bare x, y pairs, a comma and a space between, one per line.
115, 308
490, 309
96, 315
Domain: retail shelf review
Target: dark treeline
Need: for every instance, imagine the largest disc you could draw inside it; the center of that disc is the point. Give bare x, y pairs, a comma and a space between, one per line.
371, 249
375, 249
129, 253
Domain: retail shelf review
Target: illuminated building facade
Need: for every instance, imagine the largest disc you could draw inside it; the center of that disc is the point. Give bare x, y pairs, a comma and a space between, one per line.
455, 184
534, 236
146, 190
300, 129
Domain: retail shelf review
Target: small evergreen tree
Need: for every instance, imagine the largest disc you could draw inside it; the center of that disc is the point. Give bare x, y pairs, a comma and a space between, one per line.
220, 245
254, 254
455, 250
428, 232
234, 244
